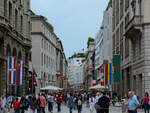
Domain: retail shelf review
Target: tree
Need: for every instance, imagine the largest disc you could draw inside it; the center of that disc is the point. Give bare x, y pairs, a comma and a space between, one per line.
90, 39
46, 20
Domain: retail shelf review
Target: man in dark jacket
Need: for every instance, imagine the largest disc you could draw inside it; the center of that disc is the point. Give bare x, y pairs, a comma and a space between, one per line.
103, 102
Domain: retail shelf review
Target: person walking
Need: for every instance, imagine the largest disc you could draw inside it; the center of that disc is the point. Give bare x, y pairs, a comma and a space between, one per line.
33, 104
92, 102
59, 101
71, 102
103, 102
133, 102
16, 106
79, 104
146, 102
125, 102
22, 104
43, 103
3, 104
50, 102
38, 102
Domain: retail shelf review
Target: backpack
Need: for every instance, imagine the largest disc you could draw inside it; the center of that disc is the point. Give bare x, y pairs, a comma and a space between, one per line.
79, 103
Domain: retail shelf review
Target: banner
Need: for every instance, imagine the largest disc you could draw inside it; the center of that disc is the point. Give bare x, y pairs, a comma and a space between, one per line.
15, 69
108, 71
117, 68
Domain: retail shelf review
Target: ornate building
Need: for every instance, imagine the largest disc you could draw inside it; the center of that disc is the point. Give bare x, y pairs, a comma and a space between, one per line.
14, 41
131, 34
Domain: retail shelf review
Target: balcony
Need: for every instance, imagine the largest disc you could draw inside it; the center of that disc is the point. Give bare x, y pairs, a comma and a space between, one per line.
134, 27
3, 21
27, 42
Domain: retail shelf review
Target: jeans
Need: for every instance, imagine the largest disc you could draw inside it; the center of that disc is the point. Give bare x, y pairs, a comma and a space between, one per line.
59, 107
146, 108
50, 106
70, 109
132, 111
42, 110
103, 111
17, 111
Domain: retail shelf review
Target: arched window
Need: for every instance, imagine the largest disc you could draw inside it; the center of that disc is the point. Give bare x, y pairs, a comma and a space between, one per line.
14, 52
8, 51
19, 55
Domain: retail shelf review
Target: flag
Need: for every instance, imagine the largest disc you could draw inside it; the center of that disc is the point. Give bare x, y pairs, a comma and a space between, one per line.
12, 70
34, 78
108, 71
117, 68
19, 72
94, 81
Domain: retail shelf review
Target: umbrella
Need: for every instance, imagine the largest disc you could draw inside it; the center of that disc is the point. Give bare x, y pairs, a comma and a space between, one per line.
54, 88
98, 87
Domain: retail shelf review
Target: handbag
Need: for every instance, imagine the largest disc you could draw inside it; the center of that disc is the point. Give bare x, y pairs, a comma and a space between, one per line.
97, 107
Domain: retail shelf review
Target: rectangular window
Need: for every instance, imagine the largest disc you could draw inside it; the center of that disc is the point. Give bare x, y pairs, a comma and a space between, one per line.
42, 43
42, 59
126, 47
140, 45
126, 4
21, 26
16, 19
10, 12
5, 8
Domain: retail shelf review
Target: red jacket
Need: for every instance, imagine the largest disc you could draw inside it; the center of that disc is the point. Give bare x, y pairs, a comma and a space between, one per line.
59, 100
16, 105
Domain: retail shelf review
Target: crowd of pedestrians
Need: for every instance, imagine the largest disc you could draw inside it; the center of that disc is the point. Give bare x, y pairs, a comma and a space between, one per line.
98, 102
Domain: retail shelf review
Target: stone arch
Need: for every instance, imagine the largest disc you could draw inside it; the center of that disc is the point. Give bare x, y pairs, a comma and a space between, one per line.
8, 50
14, 54
20, 55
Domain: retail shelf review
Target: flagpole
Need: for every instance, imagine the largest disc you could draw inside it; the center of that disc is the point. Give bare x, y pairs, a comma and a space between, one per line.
32, 82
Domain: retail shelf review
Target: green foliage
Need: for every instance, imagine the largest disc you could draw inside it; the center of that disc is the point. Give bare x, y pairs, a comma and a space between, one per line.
46, 20
109, 4
78, 55
90, 39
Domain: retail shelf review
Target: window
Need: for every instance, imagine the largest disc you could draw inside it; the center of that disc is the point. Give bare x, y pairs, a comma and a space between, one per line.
121, 8
42, 43
42, 59
126, 4
21, 26
10, 12
134, 48
16, 19
140, 45
126, 47
5, 7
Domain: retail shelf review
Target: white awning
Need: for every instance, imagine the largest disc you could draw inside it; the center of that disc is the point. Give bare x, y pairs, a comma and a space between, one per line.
53, 88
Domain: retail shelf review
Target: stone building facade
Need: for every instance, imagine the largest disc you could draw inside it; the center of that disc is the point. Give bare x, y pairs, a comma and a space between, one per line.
131, 39
89, 66
44, 47
14, 41
103, 45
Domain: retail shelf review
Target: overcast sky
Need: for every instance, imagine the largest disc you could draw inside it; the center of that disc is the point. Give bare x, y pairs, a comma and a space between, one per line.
73, 20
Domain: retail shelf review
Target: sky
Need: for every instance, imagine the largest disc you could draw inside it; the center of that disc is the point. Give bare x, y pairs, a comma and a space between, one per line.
73, 20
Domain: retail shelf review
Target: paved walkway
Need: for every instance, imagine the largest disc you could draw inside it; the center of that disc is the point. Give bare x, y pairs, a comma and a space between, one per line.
84, 110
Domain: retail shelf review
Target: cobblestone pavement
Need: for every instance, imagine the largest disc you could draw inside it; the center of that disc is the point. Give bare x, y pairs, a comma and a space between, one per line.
65, 109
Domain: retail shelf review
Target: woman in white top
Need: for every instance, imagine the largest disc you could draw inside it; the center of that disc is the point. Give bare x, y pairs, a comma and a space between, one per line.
92, 102
125, 101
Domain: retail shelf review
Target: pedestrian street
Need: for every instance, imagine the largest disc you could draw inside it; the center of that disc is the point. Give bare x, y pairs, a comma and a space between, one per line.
65, 109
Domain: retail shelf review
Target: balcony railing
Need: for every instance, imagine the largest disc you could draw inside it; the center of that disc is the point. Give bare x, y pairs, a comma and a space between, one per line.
134, 25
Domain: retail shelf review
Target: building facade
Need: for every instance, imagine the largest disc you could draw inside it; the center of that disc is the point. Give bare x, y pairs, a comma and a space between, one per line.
89, 66
103, 45
44, 47
75, 71
131, 32
61, 64
14, 41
